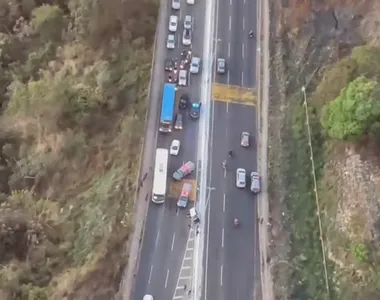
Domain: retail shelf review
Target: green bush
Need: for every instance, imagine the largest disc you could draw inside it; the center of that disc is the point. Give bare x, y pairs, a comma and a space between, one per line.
361, 252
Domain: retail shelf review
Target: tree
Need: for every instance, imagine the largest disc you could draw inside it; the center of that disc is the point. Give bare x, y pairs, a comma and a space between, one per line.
48, 22
352, 113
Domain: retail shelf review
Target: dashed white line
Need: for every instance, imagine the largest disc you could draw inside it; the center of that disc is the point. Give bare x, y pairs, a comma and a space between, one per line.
242, 50
167, 277
157, 237
222, 237
227, 107
224, 202
229, 23
230, 2
221, 275
225, 173
242, 78
173, 242
228, 78
150, 273
243, 23
229, 50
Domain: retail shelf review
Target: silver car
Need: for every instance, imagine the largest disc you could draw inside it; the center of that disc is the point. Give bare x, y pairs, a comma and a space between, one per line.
186, 37
255, 182
188, 22
221, 65
244, 140
195, 65
176, 4
170, 43
241, 178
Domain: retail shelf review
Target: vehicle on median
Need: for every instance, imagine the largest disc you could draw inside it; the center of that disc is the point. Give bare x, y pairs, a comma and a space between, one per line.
182, 80
195, 110
160, 176
184, 170
174, 147
255, 183
167, 108
185, 194
173, 23
241, 181
244, 139
195, 65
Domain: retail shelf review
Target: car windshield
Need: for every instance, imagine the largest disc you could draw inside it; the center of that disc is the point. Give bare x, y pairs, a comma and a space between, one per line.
174, 147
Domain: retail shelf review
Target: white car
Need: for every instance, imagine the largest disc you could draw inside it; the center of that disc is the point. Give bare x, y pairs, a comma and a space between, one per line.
170, 44
195, 65
148, 297
173, 23
176, 4
241, 178
190, 1
182, 78
186, 37
188, 22
174, 147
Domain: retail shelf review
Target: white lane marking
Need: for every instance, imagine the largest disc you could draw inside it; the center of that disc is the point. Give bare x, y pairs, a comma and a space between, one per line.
179, 40
224, 202
167, 277
244, 1
186, 268
177, 211
225, 173
173, 242
150, 274
227, 107
157, 237
222, 237
229, 50
230, 2
221, 275
229, 24
242, 78
243, 23
242, 50
228, 78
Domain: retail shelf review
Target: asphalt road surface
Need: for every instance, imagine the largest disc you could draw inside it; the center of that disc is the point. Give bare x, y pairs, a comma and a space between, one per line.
232, 260
166, 230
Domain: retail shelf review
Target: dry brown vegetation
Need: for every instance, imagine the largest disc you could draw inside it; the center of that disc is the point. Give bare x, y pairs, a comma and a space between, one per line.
316, 43
73, 86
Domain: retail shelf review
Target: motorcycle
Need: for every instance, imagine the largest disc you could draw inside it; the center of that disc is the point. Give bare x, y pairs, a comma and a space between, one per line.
236, 222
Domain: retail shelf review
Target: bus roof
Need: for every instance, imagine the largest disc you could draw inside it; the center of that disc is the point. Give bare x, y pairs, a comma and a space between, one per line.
168, 101
160, 171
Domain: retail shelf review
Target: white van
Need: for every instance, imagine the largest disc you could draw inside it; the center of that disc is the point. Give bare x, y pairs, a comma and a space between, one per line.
182, 78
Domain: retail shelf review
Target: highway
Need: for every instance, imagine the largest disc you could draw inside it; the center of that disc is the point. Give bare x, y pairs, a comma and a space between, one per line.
165, 240
231, 256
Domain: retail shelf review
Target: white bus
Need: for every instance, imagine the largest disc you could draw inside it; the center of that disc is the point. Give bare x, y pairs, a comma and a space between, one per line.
160, 175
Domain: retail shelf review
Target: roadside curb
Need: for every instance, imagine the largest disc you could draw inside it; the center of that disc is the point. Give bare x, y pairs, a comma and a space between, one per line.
146, 160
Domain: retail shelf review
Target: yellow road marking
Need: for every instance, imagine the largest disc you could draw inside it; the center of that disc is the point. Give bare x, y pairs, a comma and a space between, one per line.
175, 188
234, 94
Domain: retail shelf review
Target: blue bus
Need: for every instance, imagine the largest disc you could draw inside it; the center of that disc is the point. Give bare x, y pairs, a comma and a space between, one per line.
167, 108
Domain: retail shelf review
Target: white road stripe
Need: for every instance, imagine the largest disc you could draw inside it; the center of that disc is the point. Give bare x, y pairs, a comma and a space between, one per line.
167, 277
229, 24
222, 237
150, 273
224, 202
173, 242
243, 23
157, 237
221, 275
242, 78
242, 50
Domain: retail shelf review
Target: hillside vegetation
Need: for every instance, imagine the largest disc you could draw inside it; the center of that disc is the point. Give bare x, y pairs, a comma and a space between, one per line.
73, 85
332, 49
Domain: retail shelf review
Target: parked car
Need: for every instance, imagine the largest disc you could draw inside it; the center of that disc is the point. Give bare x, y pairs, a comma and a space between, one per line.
241, 178
188, 22
170, 43
173, 23
182, 80
184, 170
244, 140
176, 4
186, 37
174, 147
183, 101
185, 195
195, 65
255, 182
221, 65
179, 122
195, 110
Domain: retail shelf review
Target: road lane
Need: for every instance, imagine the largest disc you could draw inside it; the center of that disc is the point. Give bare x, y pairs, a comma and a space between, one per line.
166, 229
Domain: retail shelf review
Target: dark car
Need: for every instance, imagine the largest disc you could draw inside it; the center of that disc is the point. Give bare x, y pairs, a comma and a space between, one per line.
171, 64
185, 58
173, 76
183, 101
195, 110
